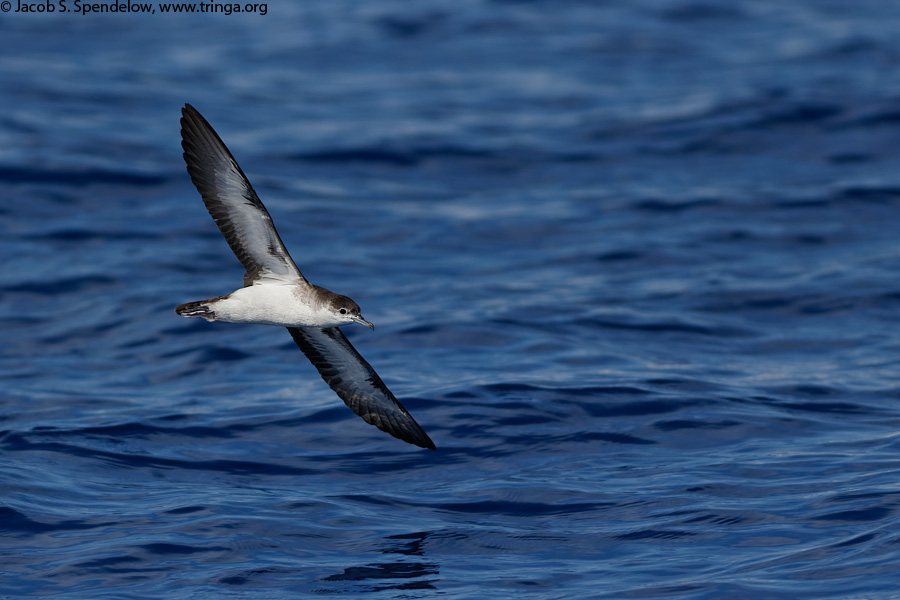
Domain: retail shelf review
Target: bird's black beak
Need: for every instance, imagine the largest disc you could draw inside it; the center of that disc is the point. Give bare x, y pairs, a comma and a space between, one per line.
362, 321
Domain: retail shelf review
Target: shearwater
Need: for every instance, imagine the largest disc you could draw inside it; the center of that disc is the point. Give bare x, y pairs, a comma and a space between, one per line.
276, 293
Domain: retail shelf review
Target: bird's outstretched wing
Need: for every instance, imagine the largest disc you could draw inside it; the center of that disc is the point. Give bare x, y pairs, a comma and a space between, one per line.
357, 384
233, 204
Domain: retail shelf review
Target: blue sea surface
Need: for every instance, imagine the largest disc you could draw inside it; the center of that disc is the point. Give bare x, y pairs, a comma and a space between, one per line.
633, 265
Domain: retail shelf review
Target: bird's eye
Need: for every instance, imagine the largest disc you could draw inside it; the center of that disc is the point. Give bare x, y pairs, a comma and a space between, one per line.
343, 311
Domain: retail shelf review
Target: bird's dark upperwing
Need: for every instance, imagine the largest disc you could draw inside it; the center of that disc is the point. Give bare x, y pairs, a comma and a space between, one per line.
233, 204
357, 384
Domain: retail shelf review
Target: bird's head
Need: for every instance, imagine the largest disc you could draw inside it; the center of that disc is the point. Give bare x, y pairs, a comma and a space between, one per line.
346, 311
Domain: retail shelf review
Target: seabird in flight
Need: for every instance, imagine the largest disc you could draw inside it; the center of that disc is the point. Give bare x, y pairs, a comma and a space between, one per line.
276, 293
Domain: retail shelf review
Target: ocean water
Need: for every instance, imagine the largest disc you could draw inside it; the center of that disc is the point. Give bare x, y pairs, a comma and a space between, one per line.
633, 265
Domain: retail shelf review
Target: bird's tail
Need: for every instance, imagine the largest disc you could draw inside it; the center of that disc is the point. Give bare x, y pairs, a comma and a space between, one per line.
201, 308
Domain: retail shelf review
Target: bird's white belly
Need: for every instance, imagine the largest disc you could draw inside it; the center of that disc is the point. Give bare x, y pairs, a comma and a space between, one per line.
269, 304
